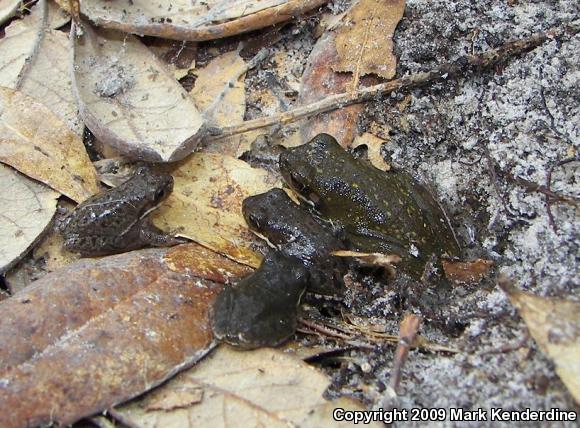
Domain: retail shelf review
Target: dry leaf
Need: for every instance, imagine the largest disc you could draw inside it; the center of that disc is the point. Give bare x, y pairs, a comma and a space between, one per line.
555, 326
8, 9
57, 17
364, 41
20, 42
37, 143
374, 145
206, 204
129, 99
264, 387
186, 20
221, 103
36, 62
320, 80
28, 209
466, 272
102, 331
178, 56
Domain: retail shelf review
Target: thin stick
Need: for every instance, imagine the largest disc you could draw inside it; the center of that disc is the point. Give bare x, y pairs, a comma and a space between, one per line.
443, 72
407, 332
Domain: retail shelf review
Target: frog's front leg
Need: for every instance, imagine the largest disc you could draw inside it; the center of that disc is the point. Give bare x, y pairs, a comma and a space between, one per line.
151, 235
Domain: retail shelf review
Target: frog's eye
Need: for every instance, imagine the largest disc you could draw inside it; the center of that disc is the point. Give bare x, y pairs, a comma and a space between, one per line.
253, 219
160, 194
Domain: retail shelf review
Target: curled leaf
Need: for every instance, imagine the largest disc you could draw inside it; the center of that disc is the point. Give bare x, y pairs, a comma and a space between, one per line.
129, 99
186, 20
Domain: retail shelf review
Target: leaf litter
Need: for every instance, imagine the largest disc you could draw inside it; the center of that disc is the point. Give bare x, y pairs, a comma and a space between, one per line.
433, 369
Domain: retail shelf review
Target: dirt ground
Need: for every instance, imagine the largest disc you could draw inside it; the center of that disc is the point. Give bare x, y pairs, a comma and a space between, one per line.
468, 139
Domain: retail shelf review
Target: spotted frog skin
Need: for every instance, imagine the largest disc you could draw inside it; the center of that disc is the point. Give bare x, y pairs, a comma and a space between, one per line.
116, 220
296, 233
378, 211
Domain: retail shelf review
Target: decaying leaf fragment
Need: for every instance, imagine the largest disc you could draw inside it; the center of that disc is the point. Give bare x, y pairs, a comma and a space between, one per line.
373, 144
99, 332
555, 326
27, 210
364, 41
206, 204
186, 20
466, 272
265, 387
129, 99
37, 143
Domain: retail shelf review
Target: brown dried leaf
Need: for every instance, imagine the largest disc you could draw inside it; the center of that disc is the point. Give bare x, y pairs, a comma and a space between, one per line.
129, 99
206, 204
466, 272
265, 387
186, 20
374, 145
28, 209
221, 103
320, 80
555, 326
103, 331
364, 41
37, 143
8, 9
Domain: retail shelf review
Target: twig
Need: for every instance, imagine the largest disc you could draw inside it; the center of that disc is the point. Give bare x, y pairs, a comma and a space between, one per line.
407, 332
504, 349
443, 72
494, 179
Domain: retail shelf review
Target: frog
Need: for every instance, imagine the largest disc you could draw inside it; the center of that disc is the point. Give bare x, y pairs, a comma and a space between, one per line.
295, 232
116, 220
261, 309
388, 212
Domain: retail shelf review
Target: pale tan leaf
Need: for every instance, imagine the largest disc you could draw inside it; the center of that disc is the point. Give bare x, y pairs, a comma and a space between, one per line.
129, 100
101, 331
555, 326
221, 103
206, 204
36, 61
27, 210
57, 16
37, 143
364, 41
7, 9
20, 42
374, 145
265, 387
186, 20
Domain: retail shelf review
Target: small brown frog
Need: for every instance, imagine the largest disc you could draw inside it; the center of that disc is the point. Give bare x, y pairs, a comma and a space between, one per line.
116, 220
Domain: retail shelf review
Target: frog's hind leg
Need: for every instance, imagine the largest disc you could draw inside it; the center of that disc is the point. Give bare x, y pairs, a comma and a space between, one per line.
151, 235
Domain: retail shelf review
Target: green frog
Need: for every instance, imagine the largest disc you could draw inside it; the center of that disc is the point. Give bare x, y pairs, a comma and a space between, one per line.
116, 220
262, 309
387, 212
